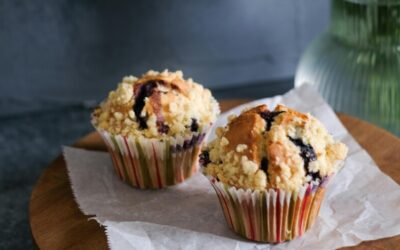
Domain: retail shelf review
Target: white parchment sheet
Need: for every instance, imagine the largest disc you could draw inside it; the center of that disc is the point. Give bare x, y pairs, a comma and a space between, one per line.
362, 203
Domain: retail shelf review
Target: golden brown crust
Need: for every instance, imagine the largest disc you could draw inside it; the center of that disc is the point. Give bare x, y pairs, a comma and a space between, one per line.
170, 81
291, 116
247, 129
256, 110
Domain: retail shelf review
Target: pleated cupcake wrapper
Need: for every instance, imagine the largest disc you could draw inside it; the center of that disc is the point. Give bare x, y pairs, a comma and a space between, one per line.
151, 163
273, 215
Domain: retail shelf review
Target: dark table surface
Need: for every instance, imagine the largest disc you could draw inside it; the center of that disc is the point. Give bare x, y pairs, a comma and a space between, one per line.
29, 142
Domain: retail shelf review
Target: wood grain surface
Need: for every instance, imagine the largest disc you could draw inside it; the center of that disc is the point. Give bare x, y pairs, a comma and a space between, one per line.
57, 223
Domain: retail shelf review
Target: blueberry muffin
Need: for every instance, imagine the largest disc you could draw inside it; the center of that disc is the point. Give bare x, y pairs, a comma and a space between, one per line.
154, 126
282, 155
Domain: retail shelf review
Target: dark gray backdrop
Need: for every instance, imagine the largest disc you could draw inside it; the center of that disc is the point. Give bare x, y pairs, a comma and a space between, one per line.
76, 50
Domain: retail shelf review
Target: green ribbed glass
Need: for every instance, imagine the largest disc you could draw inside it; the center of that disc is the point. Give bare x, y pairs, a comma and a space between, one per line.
355, 64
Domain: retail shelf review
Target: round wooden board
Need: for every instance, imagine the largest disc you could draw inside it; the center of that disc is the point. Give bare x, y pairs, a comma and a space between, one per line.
57, 223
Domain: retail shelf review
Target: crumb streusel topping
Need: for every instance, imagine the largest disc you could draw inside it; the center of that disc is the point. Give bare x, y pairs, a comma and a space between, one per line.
262, 149
157, 105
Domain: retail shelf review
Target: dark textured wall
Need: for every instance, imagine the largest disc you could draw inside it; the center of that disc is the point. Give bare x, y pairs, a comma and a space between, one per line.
80, 49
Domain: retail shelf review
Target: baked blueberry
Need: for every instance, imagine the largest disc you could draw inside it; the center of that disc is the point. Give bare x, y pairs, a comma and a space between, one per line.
264, 164
269, 117
194, 126
162, 128
306, 151
144, 90
204, 158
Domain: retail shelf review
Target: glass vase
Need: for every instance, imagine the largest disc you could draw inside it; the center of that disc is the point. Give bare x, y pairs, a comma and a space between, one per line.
355, 64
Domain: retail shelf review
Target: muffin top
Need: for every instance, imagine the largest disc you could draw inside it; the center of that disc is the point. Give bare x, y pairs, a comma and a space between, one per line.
261, 149
157, 105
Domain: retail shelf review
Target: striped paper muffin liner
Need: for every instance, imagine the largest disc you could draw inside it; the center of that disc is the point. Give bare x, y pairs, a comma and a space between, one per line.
272, 215
151, 163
